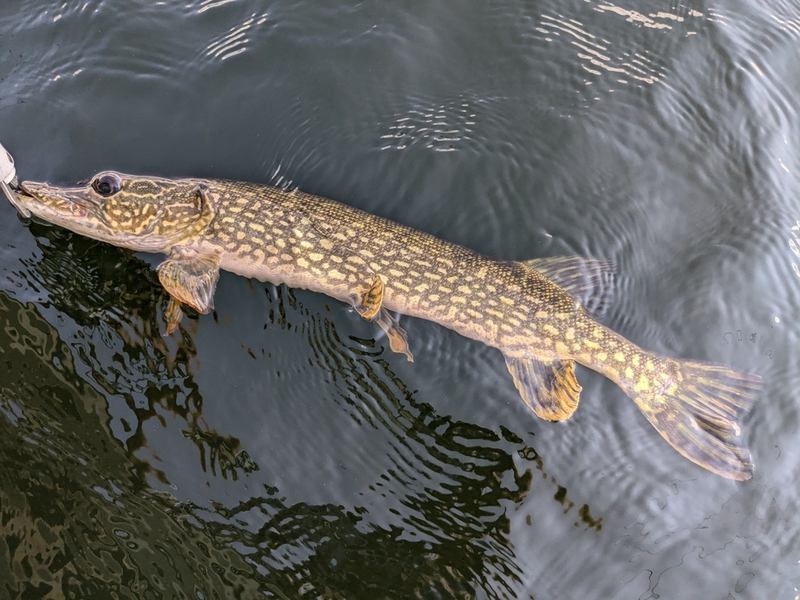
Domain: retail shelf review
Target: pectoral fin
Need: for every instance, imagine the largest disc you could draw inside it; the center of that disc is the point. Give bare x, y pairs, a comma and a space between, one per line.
191, 278
550, 389
589, 280
398, 340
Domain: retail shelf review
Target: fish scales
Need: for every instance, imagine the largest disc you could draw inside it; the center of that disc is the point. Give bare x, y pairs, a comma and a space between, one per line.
534, 312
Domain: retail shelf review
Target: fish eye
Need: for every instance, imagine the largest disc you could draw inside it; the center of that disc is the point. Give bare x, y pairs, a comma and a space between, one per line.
107, 185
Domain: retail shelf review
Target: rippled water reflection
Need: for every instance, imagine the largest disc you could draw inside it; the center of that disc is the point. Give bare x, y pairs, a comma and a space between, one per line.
275, 448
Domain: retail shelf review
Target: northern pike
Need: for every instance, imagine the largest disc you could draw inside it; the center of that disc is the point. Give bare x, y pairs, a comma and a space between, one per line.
537, 313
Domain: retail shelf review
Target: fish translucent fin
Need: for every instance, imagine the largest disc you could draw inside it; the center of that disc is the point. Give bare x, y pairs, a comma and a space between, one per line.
191, 278
369, 303
398, 340
699, 411
551, 390
173, 315
589, 280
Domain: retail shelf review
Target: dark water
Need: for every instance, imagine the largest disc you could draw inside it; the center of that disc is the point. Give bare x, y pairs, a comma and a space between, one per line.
277, 448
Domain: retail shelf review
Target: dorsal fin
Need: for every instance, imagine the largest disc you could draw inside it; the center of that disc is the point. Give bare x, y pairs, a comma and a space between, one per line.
589, 280
549, 389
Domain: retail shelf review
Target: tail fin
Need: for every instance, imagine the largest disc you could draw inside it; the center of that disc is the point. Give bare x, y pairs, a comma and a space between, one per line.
699, 410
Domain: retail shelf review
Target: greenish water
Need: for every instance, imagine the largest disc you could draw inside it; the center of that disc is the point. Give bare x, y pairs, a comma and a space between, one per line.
277, 448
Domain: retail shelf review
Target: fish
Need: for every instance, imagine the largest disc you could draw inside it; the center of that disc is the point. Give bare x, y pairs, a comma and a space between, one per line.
542, 314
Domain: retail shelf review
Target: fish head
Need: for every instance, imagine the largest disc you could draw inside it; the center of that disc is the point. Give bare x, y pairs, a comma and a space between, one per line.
142, 213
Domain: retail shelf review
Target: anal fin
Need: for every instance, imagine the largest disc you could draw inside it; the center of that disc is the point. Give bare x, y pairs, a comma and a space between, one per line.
550, 389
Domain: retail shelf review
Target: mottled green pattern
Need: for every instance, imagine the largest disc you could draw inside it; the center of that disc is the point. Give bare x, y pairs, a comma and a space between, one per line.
286, 236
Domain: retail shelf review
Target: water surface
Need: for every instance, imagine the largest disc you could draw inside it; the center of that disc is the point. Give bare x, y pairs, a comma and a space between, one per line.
277, 448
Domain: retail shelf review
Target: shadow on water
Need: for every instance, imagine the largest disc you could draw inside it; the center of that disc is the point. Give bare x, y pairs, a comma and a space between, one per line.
81, 520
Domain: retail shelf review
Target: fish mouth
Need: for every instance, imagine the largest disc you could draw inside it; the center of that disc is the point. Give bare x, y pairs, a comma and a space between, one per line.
46, 201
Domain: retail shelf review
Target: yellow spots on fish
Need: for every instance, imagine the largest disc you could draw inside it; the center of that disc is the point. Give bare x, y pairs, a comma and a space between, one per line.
433, 276
576, 347
316, 256
570, 333
280, 243
452, 279
541, 314
550, 329
445, 290
235, 209
351, 278
495, 313
619, 357
340, 236
402, 263
458, 300
519, 315
561, 349
421, 288
405, 288
259, 254
593, 346
481, 295
434, 297
635, 360
306, 244
643, 385
272, 249
473, 313
244, 249
422, 263
548, 342
513, 321
240, 235
601, 356
505, 300
243, 201
366, 253
351, 233
649, 366
491, 288
286, 257
228, 220
506, 327
337, 259
326, 244
395, 273
447, 262
493, 302
475, 303
629, 373
597, 333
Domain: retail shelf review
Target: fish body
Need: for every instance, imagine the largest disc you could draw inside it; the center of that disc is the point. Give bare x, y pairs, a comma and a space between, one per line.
540, 314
